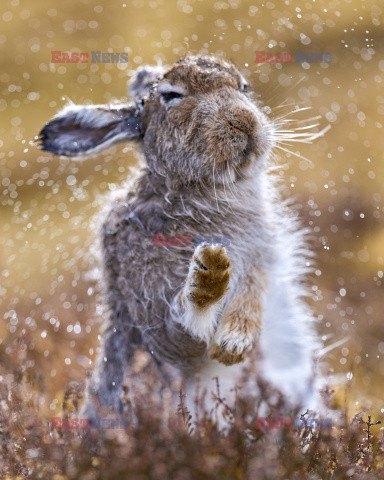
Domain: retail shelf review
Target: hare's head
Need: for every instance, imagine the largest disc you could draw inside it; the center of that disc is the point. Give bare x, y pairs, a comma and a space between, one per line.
196, 122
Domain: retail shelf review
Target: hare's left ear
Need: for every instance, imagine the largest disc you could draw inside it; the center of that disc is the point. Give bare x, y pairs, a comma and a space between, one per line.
81, 131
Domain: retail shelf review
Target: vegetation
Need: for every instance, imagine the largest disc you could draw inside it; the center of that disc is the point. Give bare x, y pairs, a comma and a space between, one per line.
161, 443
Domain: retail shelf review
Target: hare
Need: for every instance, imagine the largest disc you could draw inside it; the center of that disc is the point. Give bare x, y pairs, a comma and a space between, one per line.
206, 161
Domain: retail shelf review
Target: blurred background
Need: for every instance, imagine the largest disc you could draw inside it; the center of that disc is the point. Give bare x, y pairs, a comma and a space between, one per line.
49, 305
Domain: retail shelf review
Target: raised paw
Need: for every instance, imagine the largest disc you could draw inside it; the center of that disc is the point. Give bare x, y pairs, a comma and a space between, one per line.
208, 275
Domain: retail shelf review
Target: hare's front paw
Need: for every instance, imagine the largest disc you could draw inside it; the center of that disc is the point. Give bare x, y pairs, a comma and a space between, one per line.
233, 339
224, 356
229, 348
208, 275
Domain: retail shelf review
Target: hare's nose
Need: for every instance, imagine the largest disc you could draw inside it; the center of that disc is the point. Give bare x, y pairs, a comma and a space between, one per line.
243, 120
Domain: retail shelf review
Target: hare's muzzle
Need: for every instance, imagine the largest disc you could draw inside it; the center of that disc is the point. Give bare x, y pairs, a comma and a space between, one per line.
225, 129
243, 120
232, 130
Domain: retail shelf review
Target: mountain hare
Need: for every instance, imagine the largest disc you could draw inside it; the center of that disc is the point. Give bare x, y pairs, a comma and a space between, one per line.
196, 306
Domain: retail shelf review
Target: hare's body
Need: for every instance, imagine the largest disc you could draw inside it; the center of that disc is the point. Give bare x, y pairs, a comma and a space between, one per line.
152, 276
206, 148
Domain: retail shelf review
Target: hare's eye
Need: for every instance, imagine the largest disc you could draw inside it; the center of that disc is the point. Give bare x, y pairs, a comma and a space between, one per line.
245, 87
168, 96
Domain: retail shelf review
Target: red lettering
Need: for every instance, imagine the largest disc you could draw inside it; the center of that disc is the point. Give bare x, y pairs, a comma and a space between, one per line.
288, 423
260, 57
279, 424
176, 241
56, 423
288, 57
158, 240
84, 57
270, 423
279, 57
74, 423
55, 57
84, 423
261, 423
75, 57
65, 424
66, 58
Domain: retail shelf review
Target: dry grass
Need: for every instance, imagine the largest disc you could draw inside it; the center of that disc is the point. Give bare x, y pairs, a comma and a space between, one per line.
163, 444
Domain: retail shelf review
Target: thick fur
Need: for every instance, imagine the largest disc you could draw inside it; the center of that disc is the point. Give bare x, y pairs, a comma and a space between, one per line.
206, 157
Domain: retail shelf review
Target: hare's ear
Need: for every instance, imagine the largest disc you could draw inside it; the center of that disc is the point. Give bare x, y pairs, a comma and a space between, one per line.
81, 131
143, 80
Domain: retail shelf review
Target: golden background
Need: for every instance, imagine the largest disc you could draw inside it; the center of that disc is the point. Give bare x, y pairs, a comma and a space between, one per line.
49, 310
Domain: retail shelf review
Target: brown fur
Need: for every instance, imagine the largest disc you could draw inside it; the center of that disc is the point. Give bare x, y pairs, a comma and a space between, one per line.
197, 75
206, 146
209, 280
227, 357
244, 319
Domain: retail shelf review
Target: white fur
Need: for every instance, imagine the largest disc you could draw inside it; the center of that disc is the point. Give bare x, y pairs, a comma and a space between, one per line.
200, 323
287, 342
235, 341
228, 377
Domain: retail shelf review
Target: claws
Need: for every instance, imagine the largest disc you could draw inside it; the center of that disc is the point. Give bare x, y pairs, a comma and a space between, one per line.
227, 357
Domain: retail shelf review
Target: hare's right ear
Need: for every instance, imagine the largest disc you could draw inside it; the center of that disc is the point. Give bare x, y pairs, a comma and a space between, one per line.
81, 131
144, 79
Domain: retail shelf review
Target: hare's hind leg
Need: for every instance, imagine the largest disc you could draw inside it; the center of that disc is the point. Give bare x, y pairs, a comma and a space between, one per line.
105, 385
242, 323
289, 344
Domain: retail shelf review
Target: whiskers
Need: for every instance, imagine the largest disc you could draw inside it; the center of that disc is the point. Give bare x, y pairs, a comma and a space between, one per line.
223, 186
286, 131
